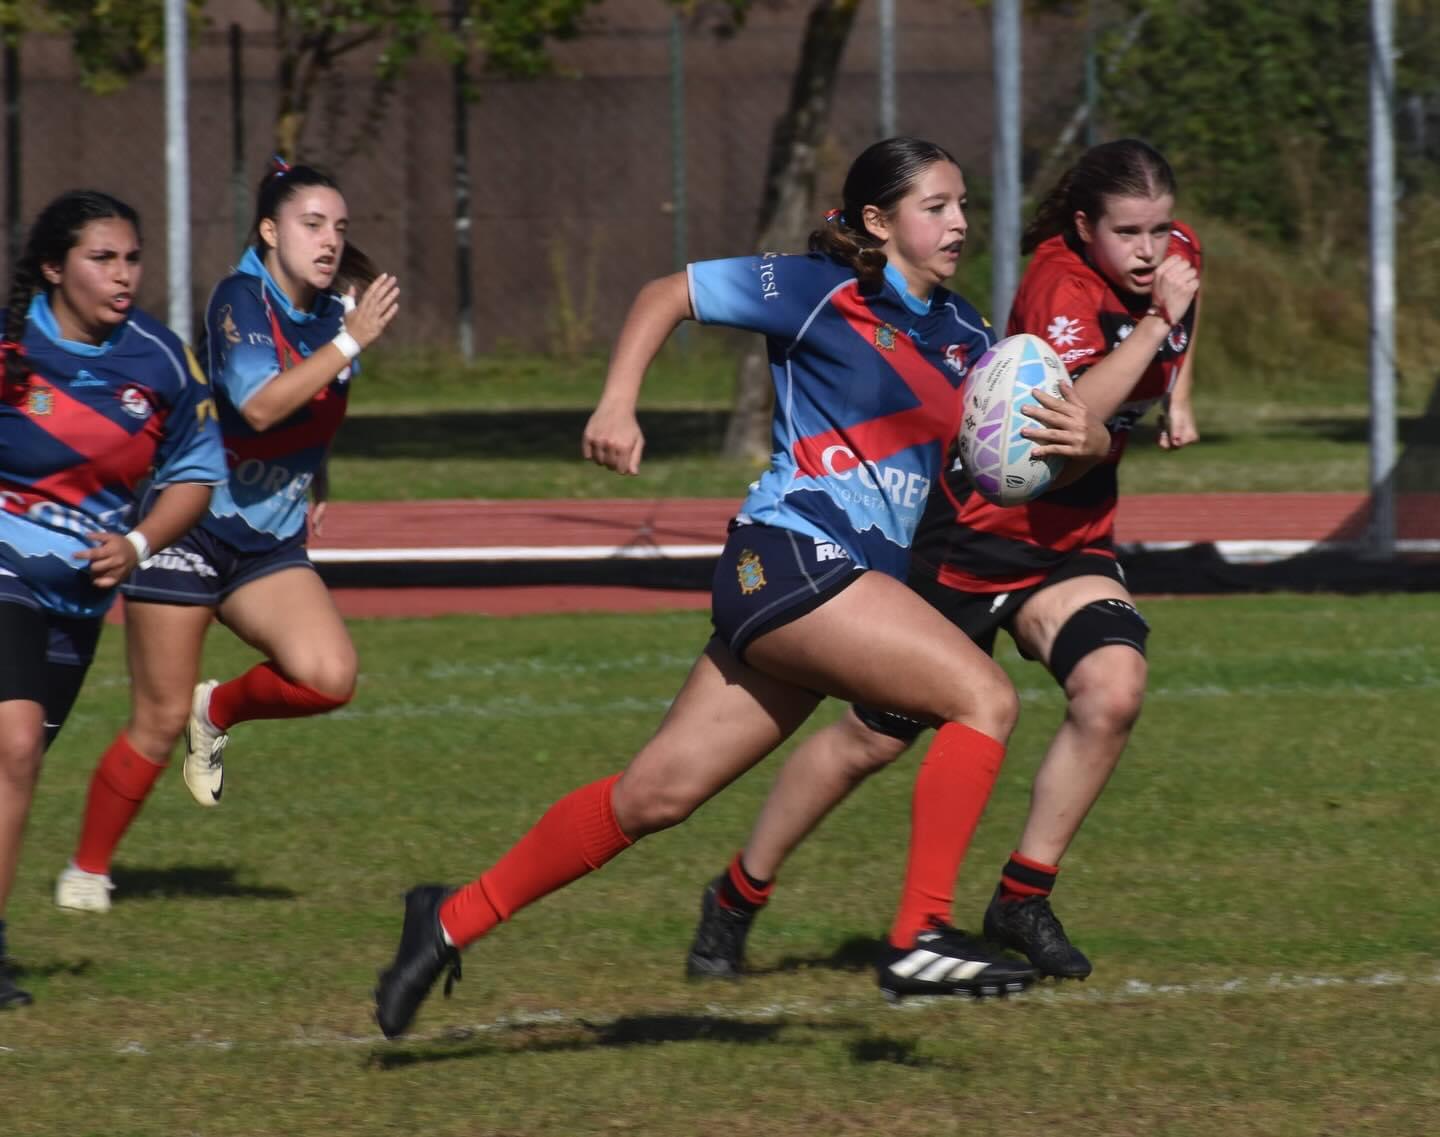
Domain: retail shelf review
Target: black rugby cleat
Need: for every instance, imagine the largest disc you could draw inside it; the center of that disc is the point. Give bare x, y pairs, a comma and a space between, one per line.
420, 959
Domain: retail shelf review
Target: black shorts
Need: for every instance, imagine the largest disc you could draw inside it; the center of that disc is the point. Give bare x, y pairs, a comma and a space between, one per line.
202, 570
45, 654
767, 577
981, 615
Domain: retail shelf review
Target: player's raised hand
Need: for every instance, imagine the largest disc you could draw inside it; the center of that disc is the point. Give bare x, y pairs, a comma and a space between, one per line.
112, 558
374, 310
1174, 288
1065, 427
613, 438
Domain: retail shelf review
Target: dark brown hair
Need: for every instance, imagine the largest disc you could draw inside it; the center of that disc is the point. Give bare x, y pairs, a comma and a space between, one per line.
1127, 167
55, 232
881, 176
278, 186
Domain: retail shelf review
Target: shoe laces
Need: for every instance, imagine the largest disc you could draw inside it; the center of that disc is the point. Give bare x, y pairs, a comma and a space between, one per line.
452, 968
957, 939
217, 751
1046, 924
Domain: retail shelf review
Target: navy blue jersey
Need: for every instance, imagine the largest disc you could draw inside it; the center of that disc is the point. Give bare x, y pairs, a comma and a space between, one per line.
868, 395
90, 425
252, 334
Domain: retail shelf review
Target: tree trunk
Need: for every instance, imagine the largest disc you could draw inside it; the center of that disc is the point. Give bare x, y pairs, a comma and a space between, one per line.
787, 210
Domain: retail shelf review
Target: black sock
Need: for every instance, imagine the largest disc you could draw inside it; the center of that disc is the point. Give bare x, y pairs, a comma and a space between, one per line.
738, 889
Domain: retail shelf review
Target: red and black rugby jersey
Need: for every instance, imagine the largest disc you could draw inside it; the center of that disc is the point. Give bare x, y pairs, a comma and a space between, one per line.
971, 545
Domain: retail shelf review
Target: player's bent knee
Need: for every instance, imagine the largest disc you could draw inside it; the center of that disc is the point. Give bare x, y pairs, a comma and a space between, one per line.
21, 753
1101, 623
644, 809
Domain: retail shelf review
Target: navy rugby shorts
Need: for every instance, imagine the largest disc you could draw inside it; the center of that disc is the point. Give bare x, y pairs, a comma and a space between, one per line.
766, 577
202, 570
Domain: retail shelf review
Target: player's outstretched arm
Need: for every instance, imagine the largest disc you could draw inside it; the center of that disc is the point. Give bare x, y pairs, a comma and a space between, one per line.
612, 437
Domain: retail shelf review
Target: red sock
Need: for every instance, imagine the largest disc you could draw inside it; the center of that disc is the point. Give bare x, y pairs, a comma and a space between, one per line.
1024, 876
263, 693
950, 794
118, 789
576, 836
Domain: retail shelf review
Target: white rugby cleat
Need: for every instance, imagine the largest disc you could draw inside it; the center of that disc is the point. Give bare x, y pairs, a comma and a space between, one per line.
81, 891
204, 767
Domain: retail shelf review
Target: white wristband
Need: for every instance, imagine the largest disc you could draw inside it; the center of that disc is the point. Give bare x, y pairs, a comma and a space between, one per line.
349, 346
141, 546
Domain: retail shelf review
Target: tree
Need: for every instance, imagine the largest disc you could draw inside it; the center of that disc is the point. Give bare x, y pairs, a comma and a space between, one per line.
787, 207
115, 40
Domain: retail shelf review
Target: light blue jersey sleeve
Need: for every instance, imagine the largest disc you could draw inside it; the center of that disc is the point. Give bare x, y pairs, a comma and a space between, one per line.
242, 357
772, 294
191, 450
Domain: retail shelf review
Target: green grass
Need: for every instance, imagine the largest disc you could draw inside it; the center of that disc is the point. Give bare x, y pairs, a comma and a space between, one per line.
1255, 888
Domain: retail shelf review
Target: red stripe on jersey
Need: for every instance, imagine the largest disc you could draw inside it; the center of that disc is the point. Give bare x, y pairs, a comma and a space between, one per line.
1058, 527
937, 416
111, 453
327, 411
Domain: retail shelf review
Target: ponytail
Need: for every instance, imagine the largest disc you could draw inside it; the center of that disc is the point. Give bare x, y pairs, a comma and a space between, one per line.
859, 250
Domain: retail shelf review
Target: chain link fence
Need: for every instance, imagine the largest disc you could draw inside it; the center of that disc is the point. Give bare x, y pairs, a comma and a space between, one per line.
577, 194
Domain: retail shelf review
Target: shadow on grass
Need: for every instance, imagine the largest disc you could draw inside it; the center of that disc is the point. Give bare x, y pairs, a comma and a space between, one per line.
631, 1030
858, 953
49, 970
533, 434
204, 881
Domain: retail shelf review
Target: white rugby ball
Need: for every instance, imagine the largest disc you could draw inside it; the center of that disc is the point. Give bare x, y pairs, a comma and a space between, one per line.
992, 449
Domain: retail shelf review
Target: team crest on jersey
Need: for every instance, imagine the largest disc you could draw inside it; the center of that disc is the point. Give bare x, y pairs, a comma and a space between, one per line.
40, 401
1178, 338
750, 571
956, 358
228, 326
134, 403
885, 337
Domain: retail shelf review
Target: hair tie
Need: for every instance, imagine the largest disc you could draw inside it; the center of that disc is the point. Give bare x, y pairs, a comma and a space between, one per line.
834, 217
279, 166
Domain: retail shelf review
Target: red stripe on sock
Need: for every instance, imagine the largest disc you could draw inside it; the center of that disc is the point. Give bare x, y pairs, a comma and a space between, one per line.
951, 791
264, 693
576, 836
118, 788
742, 886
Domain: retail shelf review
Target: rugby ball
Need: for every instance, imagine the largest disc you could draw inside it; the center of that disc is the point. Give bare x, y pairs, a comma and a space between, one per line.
992, 450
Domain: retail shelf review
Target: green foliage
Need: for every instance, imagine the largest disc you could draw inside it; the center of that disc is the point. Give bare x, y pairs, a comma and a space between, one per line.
512, 35
1262, 108
113, 40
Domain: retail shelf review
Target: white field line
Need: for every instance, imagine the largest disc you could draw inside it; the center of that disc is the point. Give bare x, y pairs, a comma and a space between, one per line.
1070, 994
1237, 552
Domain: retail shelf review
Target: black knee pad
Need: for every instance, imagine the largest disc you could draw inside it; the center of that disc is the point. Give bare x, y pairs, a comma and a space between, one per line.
890, 723
1099, 624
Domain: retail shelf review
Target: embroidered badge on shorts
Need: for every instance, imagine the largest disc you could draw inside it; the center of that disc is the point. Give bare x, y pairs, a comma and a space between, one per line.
885, 336
750, 571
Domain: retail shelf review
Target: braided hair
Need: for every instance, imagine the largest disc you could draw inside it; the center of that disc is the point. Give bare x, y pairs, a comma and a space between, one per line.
1126, 167
55, 232
882, 174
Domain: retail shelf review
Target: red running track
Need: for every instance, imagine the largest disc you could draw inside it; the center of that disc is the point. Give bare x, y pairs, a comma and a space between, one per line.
354, 527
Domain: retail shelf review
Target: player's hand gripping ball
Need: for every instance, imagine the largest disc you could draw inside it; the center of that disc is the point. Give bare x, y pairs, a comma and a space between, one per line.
993, 451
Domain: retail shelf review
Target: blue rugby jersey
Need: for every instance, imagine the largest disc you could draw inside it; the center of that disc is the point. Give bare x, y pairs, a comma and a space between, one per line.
252, 333
868, 395
93, 421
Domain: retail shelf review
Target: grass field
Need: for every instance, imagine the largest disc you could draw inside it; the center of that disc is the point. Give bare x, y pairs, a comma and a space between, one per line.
1257, 888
